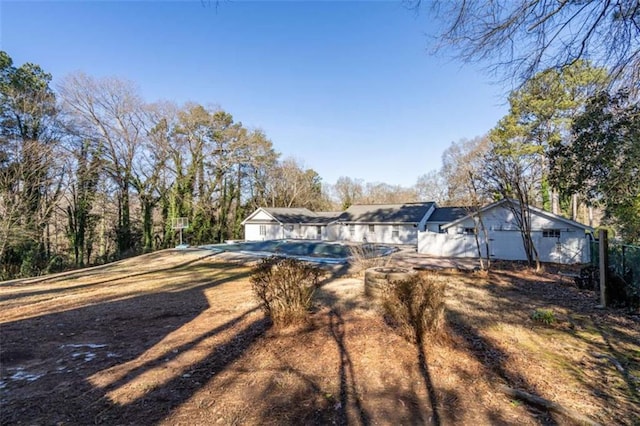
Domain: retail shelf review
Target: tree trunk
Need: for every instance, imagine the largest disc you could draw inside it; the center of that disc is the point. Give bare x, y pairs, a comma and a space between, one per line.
147, 225
555, 201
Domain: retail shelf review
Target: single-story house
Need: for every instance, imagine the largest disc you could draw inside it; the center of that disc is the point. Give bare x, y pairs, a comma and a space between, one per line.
279, 223
432, 230
383, 223
557, 239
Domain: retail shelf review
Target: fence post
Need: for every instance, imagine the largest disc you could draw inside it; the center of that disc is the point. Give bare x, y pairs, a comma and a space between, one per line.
603, 258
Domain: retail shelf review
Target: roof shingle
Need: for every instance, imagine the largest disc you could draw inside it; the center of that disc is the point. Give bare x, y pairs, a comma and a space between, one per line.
386, 213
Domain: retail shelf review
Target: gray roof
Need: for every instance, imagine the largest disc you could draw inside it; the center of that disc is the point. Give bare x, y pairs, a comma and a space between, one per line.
325, 217
291, 215
449, 214
386, 213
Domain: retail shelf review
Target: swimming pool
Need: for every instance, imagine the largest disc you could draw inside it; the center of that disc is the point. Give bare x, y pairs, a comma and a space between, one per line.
313, 251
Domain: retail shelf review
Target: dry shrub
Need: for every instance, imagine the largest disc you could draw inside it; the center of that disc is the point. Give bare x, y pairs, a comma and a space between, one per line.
366, 256
284, 287
415, 306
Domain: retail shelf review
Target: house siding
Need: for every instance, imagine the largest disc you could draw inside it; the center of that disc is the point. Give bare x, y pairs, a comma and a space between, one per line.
310, 232
382, 233
252, 231
505, 240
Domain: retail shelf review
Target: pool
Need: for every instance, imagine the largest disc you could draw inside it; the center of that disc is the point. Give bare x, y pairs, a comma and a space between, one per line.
313, 251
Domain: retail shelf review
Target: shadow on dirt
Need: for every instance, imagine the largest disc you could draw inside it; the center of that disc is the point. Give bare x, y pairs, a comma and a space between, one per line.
493, 359
348, 385
517, 296
50, 382
119, 277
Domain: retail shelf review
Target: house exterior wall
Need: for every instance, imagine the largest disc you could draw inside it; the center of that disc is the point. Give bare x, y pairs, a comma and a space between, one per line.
501, 219
505, 240
276, 231
310, 232
570, 248
383, 234
273, 231
447, 245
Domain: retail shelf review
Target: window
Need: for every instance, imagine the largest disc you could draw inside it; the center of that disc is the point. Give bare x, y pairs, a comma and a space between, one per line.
395, 231
469, 231
372, 228
551, 233
352, 230
319, 231
263, 229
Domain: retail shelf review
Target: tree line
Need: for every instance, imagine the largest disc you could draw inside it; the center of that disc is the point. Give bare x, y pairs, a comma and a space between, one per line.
90, 172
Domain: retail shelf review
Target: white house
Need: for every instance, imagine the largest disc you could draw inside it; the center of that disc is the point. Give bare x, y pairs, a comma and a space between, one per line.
383, 223
280, 223
555, 238
432, 230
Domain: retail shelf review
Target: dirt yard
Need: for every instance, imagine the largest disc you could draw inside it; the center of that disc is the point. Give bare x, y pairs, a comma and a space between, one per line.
176, 338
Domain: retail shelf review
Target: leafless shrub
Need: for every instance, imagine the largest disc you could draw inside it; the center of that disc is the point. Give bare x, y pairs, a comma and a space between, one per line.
284, 287
415, 306
365, 256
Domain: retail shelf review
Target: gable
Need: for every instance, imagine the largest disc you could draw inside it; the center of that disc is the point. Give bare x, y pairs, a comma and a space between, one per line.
261, 215
498, 216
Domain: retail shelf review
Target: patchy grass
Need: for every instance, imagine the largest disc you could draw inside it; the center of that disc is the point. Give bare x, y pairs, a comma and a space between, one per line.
544, 316
177, 338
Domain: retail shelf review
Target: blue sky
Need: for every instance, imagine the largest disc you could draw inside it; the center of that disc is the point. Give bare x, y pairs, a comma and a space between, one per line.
347, 88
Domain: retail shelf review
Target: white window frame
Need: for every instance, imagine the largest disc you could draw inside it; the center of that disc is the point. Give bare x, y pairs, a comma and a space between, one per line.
395, 231
352, 230
263, 230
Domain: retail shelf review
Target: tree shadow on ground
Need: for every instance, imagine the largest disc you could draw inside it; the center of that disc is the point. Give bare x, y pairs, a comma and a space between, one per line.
410, 407
48, 361
605, 332
182, 265
426, 376
514, 296
493, 358
156, 404
348, 386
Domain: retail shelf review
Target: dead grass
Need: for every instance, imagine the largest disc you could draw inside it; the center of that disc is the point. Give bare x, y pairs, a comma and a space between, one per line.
171, 339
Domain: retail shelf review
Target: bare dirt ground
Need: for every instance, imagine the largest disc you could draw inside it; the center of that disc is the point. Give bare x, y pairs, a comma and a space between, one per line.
177, 338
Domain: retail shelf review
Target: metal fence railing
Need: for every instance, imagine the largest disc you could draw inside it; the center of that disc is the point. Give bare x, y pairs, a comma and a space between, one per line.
624, 261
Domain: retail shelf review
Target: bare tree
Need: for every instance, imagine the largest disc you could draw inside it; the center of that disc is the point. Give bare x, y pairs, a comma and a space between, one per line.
524, 37
110, 111
292, 185
349, 191
463, 168
514, 171
30, 167
431, 186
